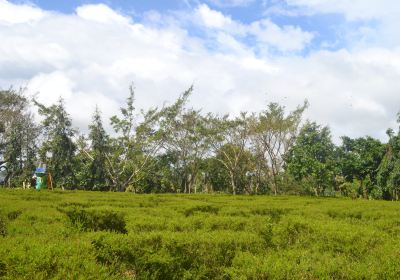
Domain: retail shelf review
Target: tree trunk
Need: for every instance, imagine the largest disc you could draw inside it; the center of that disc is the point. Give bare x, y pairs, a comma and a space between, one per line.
316, 191
233, 183
274, 175
257, 187
364, 189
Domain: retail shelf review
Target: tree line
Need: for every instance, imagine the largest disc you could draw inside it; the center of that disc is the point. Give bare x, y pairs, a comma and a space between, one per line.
178, 149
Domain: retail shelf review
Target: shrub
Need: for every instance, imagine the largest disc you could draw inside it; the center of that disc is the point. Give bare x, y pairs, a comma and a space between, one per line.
294, 232
156, 256
3, 227
336, 214
201, 208
267, 234
73, 204
274, 213
3, 269
222, 237
14, 214
97, 220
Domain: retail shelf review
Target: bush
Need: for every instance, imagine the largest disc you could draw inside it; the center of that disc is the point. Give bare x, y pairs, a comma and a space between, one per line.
3, 227
97, 220
201, 208
222, 237
294, 231
267, 234
3, 269
274, 213
154, 256
336, 214
14, 214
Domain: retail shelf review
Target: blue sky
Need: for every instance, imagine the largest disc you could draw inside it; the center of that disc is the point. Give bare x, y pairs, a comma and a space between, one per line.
342, 56
328, 28
137, 6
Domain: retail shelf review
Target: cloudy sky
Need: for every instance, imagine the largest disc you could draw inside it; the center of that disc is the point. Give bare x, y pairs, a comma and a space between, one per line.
342, 56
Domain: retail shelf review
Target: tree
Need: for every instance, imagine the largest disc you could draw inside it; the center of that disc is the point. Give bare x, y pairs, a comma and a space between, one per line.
139, 139
12, 106
359, 159
229, 140
244, 168
99, 139
18, 137
58, 148
273, 134
160, 176
187, 139
388, 176
82, 161
311, 160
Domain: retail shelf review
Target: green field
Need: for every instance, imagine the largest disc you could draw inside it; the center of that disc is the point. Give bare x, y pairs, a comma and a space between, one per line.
91, 235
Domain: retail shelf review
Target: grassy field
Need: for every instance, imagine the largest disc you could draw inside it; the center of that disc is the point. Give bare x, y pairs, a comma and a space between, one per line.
89, 235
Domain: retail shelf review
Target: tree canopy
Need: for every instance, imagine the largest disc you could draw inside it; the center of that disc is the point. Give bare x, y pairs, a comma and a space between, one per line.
176, 148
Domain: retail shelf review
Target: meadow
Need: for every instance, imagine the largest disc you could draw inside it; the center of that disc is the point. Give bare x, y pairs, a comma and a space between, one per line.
93, 235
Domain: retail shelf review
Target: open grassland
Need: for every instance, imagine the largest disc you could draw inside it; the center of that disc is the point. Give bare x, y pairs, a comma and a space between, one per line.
90, 235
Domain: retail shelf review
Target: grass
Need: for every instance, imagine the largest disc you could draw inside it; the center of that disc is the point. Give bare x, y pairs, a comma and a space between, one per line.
91, 235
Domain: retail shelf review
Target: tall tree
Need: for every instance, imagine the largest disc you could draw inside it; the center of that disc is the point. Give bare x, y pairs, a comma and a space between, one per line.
99, 139
311, 160
18, 137
187, 139
230, 139
58, 148
360, 159
83, 160
139, 139
388, 176
273, 134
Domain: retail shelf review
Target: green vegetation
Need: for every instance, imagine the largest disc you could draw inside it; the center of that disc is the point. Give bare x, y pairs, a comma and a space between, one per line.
95, 235
176, 149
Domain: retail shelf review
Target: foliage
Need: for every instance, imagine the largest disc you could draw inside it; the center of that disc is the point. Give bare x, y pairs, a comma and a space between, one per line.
179, 149
273, 135
98, 175
230, 139
18, 137
58, 149
388, 176
3, 227
311, 160
242, 168
196, 236
138, 141
188, 139
360, 159
96, 220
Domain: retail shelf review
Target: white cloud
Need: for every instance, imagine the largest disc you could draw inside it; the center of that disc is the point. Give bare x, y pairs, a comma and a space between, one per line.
52, 86
287, 38
100, 13
378, 19
212, 18
355, 9
354, 91
216, 20
231, 3
12, 14
266, 33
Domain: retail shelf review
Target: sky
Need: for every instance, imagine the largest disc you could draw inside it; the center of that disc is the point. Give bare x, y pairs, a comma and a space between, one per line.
342, 56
